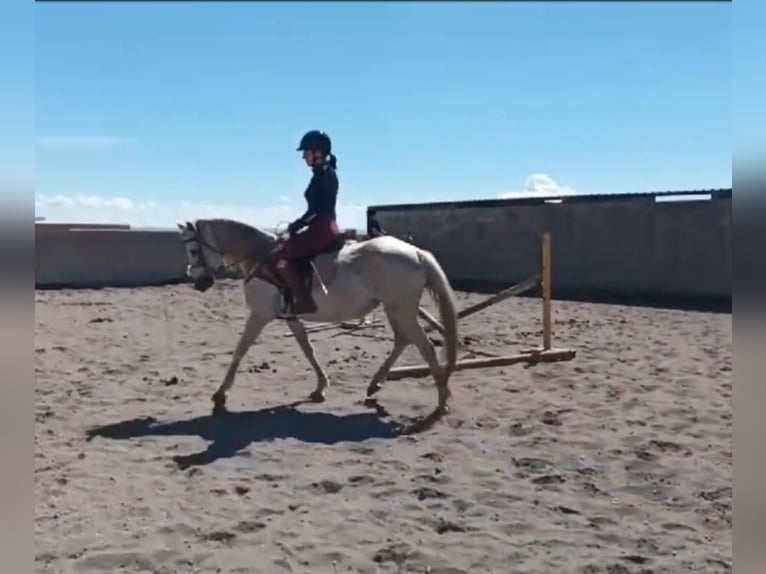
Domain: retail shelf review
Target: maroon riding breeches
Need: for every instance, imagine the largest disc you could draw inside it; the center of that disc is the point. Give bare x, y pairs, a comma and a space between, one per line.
319, 235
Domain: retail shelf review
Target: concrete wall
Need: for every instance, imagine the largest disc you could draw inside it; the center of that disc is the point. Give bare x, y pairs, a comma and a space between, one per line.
58, 227
614, 247
106, 257
629, 248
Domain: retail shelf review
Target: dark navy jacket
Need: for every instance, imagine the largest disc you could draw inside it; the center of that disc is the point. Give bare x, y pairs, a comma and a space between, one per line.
321, 195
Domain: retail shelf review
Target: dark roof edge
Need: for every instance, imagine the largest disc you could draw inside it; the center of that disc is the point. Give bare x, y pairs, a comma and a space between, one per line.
721, 193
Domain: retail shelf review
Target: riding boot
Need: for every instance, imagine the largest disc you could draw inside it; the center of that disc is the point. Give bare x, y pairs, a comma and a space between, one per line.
303, 302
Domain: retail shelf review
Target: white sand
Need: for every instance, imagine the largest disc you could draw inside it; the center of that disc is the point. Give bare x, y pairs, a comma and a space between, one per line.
617, 462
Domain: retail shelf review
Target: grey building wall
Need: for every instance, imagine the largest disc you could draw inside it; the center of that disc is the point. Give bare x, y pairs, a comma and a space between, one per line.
604, 247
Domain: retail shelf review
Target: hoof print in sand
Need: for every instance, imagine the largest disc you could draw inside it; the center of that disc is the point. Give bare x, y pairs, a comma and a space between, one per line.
219, 536
184, 465
635, 559
247, 526
326, 487
673, 526
442, 526
598, 522
264, 366
397, 553
549, 480
713, 495
361, 479
267, 477
551, 418
434, 456
519, 430
533, 465
608, 569
426, 493
437, 477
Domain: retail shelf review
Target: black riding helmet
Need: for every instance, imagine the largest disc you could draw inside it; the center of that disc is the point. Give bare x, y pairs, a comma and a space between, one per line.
316, 140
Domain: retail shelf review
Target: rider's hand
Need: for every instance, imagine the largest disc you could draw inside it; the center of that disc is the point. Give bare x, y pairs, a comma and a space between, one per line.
293, 228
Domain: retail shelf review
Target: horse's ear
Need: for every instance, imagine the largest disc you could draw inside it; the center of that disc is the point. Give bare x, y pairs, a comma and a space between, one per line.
189, 226
180, 227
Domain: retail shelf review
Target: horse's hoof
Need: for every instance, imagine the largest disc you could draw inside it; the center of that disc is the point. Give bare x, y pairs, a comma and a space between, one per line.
317, 396
370, 402
372, 389
424, 424
219, 404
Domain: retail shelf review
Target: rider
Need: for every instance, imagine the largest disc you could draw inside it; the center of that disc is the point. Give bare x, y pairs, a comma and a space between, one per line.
319, 219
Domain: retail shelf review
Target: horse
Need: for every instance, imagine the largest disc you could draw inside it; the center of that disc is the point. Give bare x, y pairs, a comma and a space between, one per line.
353, 277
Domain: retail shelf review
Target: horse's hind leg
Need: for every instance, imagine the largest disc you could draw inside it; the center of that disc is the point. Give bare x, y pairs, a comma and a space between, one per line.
408, 322
400, 344
299, 332
253, 327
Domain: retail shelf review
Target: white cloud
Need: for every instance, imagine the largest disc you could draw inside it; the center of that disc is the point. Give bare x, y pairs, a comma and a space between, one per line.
84, 202
121, 210
83, 142
538, 184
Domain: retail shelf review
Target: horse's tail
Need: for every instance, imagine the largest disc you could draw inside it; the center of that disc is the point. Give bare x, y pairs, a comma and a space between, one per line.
441, 290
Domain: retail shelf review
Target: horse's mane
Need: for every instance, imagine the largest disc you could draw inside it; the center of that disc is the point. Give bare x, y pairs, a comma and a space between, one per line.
247, 232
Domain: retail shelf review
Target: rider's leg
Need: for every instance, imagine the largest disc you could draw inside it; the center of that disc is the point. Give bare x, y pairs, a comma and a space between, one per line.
297, 246
303, 302
276, 255
319, 235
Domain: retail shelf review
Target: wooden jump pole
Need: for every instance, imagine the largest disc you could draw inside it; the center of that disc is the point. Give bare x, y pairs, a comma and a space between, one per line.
530, 357
513, 290
543, 279
547, 354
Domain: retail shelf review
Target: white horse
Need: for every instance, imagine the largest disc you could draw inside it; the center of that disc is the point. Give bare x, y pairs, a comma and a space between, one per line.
356, 277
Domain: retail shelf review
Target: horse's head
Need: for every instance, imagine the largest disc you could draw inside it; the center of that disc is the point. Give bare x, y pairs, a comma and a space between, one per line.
214, 245
202, 254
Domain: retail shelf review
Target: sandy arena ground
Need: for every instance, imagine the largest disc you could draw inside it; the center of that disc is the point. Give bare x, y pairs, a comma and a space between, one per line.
617, 462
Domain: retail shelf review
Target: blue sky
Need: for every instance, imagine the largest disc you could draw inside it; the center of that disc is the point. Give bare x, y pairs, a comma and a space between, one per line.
149, 113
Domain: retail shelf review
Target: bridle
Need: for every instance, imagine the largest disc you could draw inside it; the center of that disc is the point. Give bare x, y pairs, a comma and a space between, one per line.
200, 254
201, 242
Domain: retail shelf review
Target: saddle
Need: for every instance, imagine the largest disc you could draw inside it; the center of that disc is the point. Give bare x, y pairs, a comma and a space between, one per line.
303, 265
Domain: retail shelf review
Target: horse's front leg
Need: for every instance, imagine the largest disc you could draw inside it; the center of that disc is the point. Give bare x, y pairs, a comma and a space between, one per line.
299, 332
253, 327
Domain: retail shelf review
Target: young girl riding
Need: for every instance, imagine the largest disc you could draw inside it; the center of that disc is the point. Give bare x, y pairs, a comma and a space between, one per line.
319, 220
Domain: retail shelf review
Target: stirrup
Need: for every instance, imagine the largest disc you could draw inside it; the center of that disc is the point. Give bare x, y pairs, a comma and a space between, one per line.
287, 313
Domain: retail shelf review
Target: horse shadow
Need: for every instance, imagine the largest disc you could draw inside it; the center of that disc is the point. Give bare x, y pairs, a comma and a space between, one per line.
230, 432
